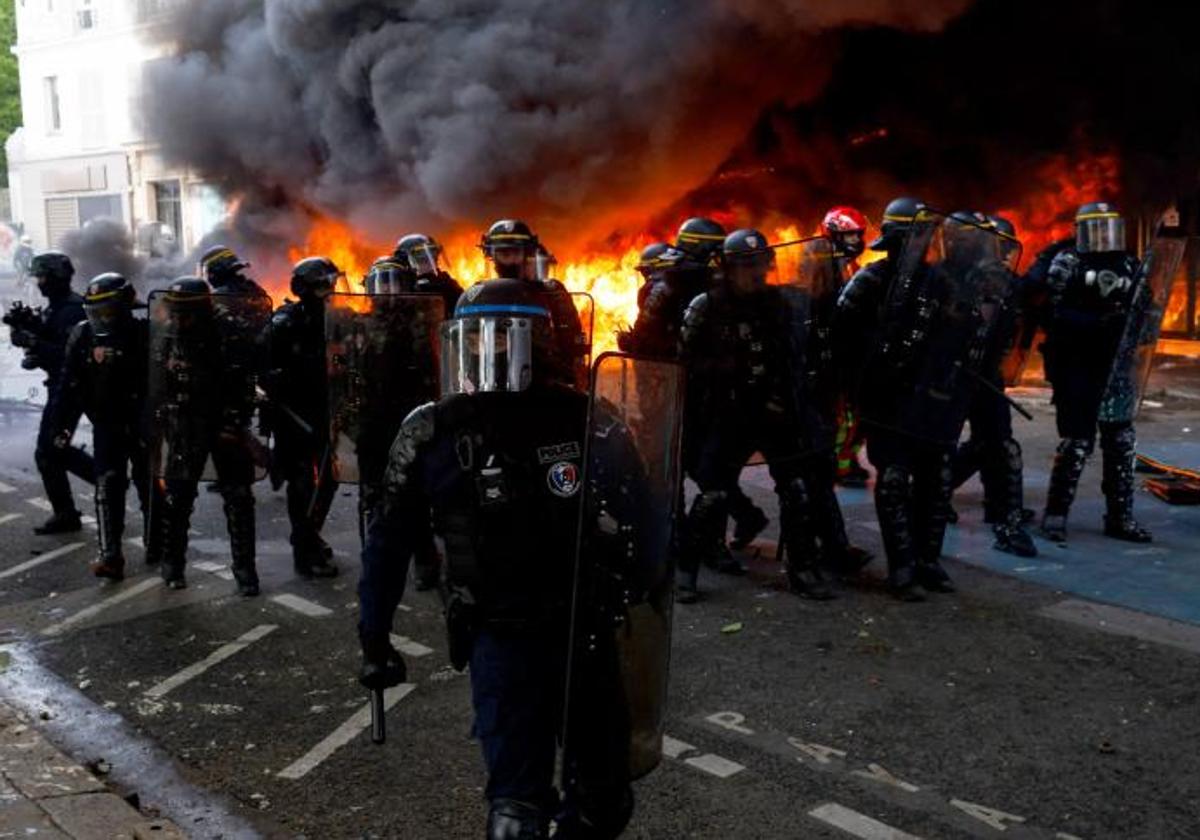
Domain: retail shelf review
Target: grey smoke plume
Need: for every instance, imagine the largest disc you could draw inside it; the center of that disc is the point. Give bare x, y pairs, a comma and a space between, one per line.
438, 113
105, 244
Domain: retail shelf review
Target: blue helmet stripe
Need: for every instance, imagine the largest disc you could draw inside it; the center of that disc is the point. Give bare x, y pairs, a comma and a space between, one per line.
501, 309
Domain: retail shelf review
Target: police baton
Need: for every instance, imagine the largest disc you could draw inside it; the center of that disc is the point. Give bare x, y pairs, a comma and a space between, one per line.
378, 721
998, 392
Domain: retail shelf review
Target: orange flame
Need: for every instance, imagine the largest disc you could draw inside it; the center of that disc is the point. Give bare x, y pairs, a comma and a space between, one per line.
608, 272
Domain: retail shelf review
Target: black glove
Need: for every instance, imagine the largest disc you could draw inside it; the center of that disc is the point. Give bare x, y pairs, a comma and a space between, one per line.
382, 667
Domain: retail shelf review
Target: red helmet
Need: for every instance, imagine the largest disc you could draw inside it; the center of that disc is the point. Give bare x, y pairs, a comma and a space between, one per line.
843, 220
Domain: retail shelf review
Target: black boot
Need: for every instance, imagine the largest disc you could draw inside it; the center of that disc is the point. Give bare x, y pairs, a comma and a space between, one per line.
1069, 460
838, 557
110, 524
931, 499
748, 519
1004, 501
706, 534
239, 520
509, 819
892, 491
177, 513
60, 523
1117, 445
427, 566
803, 556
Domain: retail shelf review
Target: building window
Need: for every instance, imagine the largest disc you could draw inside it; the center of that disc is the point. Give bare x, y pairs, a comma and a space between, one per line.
85, 15
168, 206
53, 112
148, 10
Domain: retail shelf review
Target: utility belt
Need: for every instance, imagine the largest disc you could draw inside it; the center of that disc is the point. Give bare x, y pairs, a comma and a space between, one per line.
466, 618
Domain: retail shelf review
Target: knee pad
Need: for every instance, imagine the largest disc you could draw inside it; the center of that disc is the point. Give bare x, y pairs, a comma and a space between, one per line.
709, 503
237, 496
1118, 436
510, 819
793, 493
1079, 448
893, 484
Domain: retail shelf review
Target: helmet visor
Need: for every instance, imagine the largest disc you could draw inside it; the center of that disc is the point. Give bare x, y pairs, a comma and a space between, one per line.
543, 265
488, 353
385, 280
425, 260
1100, 234
106, 314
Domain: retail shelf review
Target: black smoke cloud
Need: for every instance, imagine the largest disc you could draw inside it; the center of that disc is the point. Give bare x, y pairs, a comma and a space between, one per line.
971, 114
105, 244
420, 113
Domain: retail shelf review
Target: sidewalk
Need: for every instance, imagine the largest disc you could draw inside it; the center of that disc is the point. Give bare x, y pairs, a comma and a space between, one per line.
44, 794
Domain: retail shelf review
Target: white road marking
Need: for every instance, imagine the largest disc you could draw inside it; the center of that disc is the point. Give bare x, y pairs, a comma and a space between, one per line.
860, 825
410, 648
7, 488
731, 721
674, 748
714, 765
218, 569
41, 503
96, 609
991, 816
9, 517
217, 656
877, 773
301, 605
41, 558
818, 752
343, 735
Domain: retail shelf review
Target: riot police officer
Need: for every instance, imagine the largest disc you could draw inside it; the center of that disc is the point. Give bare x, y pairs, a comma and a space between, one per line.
912, 475
226, 272
241, 308
45, 346
512, 247
1089, 288
299, 406
499, 461
423, 254
743, 344
104, 377
204, 351
821, 274
846, 229
991, 448
402, 375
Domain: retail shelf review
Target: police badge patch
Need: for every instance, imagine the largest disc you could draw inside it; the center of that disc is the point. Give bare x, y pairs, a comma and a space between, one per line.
563, 479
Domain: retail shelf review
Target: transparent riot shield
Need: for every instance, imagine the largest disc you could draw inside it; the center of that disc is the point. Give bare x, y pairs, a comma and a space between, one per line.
621, 610
183, 409
941, 321
583, 334
242, 322
1135, 353
382, 362
817, 279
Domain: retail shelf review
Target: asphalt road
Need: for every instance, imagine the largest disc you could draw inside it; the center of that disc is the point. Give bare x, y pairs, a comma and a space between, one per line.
1002, 711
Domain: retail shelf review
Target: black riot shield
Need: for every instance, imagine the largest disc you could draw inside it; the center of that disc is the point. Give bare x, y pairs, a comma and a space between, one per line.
621, 610
381, 355
941, 322
1135, 353
183, 408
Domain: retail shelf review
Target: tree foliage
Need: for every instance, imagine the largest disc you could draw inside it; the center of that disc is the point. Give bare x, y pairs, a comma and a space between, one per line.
10, 84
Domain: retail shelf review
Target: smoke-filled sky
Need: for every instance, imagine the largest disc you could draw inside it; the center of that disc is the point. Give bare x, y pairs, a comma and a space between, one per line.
432, 113
590, 116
